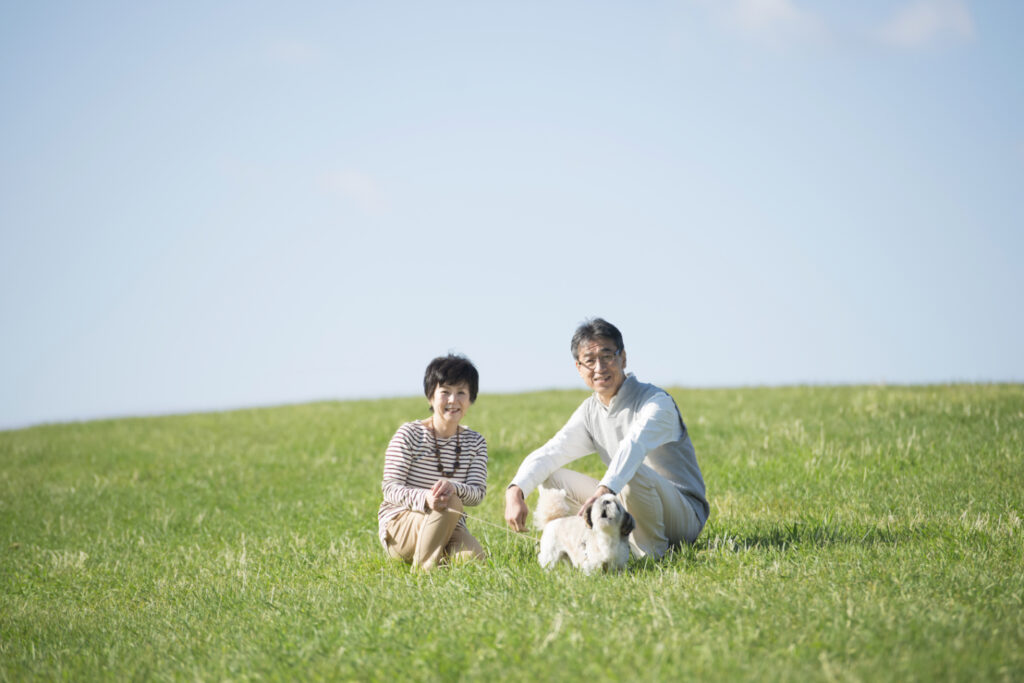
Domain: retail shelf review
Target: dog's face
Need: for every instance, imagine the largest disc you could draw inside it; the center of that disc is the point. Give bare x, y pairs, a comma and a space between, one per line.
608, 511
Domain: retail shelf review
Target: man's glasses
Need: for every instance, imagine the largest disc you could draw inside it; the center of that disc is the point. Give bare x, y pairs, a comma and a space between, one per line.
606, 358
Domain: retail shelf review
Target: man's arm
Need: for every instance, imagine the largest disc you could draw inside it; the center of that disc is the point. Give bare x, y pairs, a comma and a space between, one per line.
601, 490
656, 424
515, 508
572, 441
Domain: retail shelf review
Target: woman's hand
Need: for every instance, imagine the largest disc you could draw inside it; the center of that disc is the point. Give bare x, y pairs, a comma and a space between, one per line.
439, 495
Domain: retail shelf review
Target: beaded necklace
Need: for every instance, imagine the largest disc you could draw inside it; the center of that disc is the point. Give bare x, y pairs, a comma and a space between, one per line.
437, 450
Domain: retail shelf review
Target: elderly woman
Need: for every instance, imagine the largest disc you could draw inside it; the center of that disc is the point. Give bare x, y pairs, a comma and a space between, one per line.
432, 468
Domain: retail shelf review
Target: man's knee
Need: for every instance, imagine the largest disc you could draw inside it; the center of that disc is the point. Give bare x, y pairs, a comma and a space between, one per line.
577, 486
642, 483
649, 539
640, 500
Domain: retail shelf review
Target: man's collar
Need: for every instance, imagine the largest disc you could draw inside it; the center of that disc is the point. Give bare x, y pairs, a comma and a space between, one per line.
626, 385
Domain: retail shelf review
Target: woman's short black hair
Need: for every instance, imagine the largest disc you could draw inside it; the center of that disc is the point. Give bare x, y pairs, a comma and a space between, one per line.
451, 369
591, 329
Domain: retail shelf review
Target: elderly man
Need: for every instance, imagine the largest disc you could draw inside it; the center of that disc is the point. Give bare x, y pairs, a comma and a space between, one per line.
638, 432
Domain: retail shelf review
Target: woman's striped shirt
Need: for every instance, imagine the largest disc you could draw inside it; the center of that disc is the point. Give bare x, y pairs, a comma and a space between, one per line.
410, 470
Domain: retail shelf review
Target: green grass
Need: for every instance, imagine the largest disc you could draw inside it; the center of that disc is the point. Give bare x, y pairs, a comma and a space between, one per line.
856, 533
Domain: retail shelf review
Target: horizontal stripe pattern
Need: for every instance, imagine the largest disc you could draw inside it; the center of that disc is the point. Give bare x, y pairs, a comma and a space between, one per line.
410, 470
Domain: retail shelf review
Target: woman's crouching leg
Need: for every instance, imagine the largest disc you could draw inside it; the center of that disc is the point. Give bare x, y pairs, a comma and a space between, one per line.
464, 548
403, 532
436, 534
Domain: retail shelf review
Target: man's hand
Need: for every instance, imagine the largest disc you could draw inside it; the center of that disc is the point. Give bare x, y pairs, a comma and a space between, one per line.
601, 490
439, 495
515, 508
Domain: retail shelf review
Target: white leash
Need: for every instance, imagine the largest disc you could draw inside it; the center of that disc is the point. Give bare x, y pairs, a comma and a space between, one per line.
515, 534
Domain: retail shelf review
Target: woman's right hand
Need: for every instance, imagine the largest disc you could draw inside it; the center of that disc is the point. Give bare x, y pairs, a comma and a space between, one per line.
439, 495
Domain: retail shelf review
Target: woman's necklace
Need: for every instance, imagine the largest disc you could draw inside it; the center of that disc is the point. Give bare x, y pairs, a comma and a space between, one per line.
437, 450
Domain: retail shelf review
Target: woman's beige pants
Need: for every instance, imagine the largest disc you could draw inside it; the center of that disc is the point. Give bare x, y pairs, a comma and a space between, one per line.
427, 538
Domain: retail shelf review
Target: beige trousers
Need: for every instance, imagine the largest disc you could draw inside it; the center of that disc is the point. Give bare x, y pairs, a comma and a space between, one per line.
663, 516
428, 539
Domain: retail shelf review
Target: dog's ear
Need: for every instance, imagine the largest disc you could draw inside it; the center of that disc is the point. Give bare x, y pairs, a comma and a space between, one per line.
586, 515
628, 523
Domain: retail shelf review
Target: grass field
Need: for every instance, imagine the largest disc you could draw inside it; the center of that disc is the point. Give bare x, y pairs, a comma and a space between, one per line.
856, 533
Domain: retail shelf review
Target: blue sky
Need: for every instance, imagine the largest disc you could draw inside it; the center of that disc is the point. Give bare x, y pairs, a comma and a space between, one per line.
214, 205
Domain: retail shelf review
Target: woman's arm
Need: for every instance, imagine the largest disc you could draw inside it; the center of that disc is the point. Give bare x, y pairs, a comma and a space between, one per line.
473, 488
398, 459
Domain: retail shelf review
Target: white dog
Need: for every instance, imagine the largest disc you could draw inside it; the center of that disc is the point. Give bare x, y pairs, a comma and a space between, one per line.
597, 540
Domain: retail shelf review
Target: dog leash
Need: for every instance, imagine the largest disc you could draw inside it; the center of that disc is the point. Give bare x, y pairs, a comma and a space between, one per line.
525, 536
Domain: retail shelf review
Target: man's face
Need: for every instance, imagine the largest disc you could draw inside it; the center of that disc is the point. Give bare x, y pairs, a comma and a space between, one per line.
602, 366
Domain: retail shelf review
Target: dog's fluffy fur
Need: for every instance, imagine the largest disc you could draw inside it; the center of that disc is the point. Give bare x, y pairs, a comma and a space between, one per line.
598, 540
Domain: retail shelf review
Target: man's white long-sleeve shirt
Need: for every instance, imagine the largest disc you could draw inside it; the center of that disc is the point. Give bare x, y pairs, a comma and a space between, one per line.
640, 425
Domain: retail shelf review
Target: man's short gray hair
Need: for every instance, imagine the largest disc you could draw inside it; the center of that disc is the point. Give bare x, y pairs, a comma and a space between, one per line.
592, 328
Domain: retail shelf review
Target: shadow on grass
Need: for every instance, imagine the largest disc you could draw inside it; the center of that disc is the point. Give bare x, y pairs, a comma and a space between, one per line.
779, 537
785, 535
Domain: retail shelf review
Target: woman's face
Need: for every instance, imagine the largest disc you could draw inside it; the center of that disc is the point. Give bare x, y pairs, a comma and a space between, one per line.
450, 401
